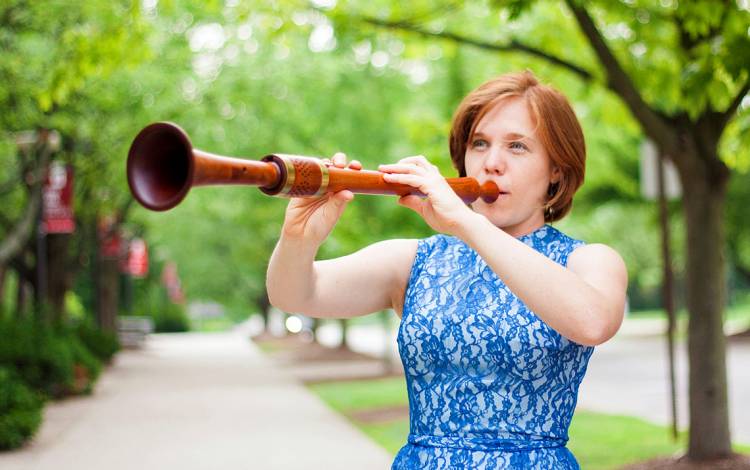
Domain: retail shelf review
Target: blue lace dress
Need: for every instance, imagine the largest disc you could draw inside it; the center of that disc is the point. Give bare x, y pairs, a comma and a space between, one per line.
490, 385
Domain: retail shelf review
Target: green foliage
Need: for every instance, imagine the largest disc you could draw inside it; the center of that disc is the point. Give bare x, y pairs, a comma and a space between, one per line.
20, 410
151, 300
353, 395
738, 230
735, 143
171, 319
51, 360
102, 344
53, 49
38, 355
86, 366
248, 78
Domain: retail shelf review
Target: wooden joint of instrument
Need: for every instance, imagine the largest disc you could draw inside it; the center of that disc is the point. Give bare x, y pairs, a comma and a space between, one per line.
299, 176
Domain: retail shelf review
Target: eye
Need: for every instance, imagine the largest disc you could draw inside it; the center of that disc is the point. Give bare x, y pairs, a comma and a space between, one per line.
518, 147
479, 144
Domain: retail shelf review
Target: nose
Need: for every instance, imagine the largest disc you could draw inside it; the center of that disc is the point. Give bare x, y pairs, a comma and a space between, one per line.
495, 163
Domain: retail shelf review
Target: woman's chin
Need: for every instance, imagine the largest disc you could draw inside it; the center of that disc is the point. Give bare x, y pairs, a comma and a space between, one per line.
497, 219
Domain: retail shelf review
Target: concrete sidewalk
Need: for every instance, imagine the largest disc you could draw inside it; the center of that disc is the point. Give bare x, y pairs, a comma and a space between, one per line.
628, 376
195, 401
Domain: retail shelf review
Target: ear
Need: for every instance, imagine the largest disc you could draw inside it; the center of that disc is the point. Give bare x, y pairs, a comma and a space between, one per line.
556, 175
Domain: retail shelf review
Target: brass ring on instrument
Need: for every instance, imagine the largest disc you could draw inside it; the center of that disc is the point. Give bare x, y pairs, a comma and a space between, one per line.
324, 178
290, 176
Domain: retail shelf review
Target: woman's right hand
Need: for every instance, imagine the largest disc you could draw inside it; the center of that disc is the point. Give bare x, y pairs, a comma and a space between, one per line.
312, 218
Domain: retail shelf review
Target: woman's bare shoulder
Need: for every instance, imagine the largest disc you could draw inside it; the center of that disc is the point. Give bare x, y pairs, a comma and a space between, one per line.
594, 252
398, 254
597, 259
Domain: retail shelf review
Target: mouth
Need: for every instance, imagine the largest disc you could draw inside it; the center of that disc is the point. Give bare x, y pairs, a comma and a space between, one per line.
502, 192
502, 195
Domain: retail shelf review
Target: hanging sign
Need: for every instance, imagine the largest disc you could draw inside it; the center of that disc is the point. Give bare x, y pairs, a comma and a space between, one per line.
57, 196
137, 265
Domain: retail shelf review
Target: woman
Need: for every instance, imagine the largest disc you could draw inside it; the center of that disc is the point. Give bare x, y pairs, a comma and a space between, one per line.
500, 311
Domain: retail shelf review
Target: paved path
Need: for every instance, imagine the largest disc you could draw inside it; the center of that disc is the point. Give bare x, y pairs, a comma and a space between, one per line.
628, 375
195, 401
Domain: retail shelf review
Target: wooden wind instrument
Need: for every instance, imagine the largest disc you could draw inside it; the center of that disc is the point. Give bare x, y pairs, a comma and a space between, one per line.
163, 165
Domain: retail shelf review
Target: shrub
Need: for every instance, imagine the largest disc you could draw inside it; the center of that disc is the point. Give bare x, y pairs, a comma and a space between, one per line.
52, 361
171, 319
102, 344
86, 367
39, 357
20, 411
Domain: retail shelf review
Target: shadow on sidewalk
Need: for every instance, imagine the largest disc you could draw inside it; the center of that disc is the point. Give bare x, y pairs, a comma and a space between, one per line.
311, 362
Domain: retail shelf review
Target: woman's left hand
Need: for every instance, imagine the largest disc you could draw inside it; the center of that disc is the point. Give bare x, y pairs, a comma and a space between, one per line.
442, 209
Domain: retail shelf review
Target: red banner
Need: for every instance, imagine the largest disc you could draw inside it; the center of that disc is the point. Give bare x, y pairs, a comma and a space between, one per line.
57, 213
137, 264
110, 241
171, 281
111, 246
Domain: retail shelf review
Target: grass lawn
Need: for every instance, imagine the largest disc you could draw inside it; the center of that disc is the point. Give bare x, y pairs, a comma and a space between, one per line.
209, 325
599, 441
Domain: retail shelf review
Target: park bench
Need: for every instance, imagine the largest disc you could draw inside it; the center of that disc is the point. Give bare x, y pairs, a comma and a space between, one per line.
132, 331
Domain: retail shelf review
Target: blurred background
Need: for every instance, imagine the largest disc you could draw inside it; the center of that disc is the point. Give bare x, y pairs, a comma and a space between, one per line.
85, 271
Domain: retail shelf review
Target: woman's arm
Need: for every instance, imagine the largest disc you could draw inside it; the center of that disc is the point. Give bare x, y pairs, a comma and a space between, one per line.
369, 280
584, 303
364, 282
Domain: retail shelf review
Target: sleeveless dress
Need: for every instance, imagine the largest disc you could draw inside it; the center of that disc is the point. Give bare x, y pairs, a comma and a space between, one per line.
490, 385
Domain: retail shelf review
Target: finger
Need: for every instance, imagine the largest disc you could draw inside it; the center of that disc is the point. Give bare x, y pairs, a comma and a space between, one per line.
340, 200
411, 201
415, 181
420, 161
355, 165
401, 168
339, 159
344, 196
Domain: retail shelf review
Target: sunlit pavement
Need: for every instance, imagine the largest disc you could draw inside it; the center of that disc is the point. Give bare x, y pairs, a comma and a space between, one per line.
195, 401
628, 375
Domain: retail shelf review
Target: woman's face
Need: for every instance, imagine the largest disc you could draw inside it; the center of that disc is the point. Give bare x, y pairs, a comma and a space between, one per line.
506, 150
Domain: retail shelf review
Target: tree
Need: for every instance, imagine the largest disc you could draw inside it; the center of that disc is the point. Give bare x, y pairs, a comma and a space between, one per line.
249, 105
683, 73
50, 52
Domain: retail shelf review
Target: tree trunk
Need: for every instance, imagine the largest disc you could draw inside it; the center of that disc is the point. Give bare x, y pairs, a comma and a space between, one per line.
26, 287
263, 305
22, 296
344, 322
704, 197
3, 276
58, 273
108, 289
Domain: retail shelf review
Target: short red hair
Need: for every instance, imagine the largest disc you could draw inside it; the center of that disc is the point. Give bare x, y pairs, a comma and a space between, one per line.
556, 124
